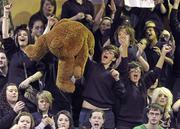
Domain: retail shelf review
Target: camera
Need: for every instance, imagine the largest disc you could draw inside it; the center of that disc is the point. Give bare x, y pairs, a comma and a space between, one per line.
165, 38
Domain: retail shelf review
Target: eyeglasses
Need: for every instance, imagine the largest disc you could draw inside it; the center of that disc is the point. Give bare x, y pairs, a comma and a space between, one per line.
109, 51
135, 70
154, 114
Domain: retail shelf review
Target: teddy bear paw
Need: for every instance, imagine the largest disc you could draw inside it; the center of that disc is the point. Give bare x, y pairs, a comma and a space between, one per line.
66, 86
78, 72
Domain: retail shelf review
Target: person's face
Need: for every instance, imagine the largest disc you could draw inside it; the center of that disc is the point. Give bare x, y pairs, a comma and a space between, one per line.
22, 38
63, 122
3, 60
24, 122
12, 94
38, 28
106, 24
162, 100
154, 116
107, 57
135, 75
123, 36
47, 8
151, 34
43, 104
96, 120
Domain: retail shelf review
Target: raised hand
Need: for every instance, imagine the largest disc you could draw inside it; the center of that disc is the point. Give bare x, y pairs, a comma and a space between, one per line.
48, 121
7, 9
89, 17
158, 2
166, 49
16, 126
140, 51
25, 84
80, 16
51, 21
112, 6
115, 74
124, 39
177, 1
176, 4
157, 50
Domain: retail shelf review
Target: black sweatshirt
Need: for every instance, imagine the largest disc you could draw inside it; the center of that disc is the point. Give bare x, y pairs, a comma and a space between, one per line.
175, 27
131, 105
100, 88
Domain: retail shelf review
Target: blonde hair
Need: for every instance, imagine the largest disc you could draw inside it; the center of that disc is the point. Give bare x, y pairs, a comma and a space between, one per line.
106, 18
45, 95
166, 92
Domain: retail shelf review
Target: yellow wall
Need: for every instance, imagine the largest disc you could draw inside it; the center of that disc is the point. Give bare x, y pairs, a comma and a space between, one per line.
23, 9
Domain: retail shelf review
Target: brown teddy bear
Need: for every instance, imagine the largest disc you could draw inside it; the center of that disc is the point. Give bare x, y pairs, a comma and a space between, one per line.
72, 43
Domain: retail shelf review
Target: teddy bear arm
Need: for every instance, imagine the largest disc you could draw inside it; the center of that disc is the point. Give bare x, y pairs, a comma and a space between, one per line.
37, 50
56, 47
80, 61
65, 72
91, 43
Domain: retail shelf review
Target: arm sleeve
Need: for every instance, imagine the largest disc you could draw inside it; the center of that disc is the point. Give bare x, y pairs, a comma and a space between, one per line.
91, 6
9, 47
40, 66
174, 23
151, 76
119, 88
123, 67
7, 120
65, 11
40, 126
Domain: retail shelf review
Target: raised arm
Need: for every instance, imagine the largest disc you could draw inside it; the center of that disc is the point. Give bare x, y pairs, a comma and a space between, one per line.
141, 60
166, 49
174, 23
99, 16
32, 78
176, 106
162, 7
5, 21
123, 67
51, 22
151, 76
112, 7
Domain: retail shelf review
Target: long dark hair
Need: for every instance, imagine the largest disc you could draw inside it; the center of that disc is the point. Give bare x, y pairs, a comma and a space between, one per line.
3, 92
66, 113
53, 2
17, 30
3, 98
